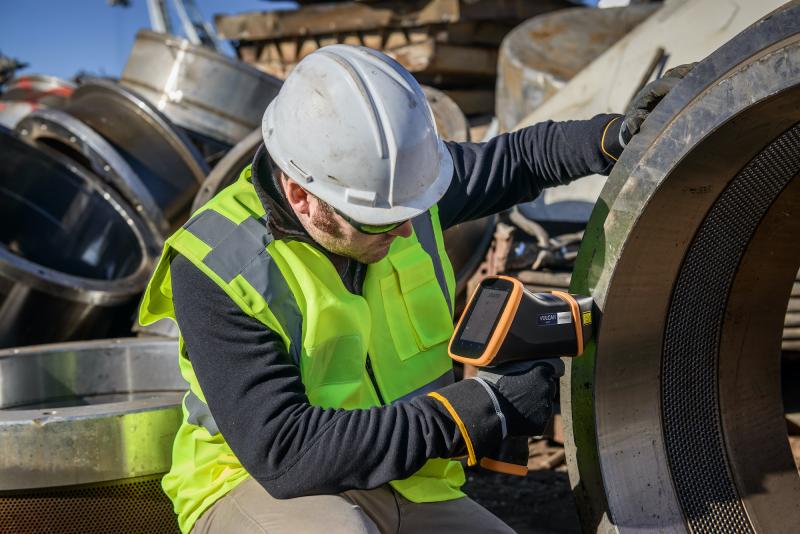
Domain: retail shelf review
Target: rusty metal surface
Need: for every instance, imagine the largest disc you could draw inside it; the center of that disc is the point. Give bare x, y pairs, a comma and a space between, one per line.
539, 56
690, 334
227, 170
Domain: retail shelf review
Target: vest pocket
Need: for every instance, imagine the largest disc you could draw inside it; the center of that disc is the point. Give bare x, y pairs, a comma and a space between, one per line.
416, 310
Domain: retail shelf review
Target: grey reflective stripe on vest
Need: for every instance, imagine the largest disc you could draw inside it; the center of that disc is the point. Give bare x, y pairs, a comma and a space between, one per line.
199, 414
242, 249
266, 278
232, 246
444, 380
423, 227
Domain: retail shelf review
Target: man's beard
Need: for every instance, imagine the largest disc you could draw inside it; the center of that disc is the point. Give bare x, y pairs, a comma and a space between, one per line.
327, 232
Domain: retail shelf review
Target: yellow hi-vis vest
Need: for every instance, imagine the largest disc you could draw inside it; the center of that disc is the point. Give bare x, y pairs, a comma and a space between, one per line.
403, 321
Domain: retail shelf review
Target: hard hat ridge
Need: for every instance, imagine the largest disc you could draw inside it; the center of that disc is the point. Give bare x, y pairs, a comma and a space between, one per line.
353, 127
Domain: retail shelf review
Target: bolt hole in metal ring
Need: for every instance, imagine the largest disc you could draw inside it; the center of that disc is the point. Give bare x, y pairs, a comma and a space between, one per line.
675, 415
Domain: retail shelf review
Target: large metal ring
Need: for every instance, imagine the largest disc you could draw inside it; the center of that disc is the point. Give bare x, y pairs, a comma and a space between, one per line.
674, 416
68, 135
73, 254
87, 412
162, 155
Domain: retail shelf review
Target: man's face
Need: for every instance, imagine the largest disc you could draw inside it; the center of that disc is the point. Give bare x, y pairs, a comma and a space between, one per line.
334, 233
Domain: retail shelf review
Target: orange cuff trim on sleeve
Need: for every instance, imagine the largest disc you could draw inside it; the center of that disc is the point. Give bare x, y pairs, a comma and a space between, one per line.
603, 139
471, 460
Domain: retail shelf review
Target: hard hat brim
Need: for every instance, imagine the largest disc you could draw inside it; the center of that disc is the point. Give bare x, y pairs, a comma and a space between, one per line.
400, 213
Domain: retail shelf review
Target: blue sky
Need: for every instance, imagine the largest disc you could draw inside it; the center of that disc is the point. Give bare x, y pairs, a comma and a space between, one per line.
62, 37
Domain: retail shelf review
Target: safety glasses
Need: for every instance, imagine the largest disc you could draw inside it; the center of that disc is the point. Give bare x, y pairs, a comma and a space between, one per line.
372, 229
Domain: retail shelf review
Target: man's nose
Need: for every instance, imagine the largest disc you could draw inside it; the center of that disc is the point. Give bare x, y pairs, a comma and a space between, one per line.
404, 230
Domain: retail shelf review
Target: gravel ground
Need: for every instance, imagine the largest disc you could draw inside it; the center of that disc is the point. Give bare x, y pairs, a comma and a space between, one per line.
539, 503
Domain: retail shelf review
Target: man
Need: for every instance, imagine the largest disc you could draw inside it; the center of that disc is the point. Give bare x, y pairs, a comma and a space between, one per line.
315, 302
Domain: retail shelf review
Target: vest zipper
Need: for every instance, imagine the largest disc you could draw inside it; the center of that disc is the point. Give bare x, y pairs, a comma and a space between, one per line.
374, 382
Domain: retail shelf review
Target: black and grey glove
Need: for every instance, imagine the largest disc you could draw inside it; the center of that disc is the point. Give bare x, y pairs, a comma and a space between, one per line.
517, 401
646, 100
525, 393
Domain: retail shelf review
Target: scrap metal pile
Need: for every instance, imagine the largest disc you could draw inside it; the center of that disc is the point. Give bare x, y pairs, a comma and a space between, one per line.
96, 174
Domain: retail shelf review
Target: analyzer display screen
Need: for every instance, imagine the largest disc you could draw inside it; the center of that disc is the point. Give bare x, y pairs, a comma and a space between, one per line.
484, 315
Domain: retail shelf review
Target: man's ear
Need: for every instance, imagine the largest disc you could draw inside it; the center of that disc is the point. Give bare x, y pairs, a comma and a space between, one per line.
295, 195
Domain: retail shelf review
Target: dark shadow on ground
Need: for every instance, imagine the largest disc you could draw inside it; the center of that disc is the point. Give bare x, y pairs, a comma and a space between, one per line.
540, 503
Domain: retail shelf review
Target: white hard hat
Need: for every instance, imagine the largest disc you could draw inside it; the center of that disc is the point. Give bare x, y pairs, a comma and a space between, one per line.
353, 127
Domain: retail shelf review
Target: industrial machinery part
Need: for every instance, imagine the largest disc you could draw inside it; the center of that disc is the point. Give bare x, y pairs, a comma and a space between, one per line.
66, 134
540, 55
162, 156
451, 124
226, 104
197, 29
39, 89
86, 431
674, 416
73, 256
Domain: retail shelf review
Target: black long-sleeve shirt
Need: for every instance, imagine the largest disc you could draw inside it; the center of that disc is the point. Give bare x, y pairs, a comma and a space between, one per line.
253, 388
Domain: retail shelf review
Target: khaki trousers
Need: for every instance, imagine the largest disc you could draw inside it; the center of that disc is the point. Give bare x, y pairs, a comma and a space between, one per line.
248, 508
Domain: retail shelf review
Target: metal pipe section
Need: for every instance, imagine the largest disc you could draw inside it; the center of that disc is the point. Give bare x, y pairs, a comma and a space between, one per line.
86, 431
162, 156
73, 255
73, 138
674, 417
197, 88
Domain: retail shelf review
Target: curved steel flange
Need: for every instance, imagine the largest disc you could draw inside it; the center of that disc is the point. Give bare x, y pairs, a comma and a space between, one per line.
73, 254
73, 138
199, 89
673, 416
161, 155
87, 412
